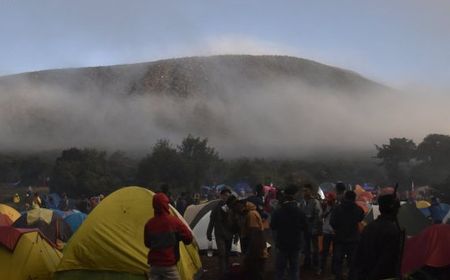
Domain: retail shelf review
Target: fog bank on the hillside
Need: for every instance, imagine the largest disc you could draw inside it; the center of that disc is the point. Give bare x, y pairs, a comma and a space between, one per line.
276, 119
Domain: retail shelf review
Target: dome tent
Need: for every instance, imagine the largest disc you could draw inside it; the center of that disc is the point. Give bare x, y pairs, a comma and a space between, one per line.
26, 254
50, 224
12, 213
198, 218
110, 242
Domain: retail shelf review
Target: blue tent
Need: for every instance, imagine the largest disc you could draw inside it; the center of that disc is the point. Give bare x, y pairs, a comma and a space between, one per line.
53, 200
242, 187
75, 219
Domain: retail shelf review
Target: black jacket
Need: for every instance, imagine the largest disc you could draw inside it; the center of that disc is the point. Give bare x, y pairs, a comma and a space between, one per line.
344, 220
288, 223
378, 253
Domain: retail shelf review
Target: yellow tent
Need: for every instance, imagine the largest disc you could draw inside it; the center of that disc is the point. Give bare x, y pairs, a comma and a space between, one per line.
10, 212
27, 255
422, 204
110, 242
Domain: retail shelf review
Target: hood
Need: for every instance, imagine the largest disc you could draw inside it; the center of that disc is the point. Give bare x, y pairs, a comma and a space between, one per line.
250, 206
161, 204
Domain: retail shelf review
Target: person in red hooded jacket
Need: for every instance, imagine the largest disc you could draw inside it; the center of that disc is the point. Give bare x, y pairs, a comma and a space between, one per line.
162, 235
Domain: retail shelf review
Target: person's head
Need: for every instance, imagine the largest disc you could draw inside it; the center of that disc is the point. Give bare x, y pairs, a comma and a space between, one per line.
231, 201
388, 204
225, 194
350, 196
340, 188
290, 192
307, 191
161, 203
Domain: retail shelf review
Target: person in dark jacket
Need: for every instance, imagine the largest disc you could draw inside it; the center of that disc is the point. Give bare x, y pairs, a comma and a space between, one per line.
258, 200
344, 220
288, 224
379, 251
313, 211
221, 222
162, 235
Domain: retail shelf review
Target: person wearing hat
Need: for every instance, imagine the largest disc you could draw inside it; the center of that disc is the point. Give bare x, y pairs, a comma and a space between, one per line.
378, 255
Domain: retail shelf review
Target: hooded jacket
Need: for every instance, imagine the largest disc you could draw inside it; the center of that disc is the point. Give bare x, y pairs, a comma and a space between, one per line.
254, 233
162, 234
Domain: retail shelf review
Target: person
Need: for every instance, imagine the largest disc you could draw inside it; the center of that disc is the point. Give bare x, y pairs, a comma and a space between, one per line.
36, 202
162, 235
327, 230
258, 200
253, 240
289, 224
181, 203
16, 198
437, 214
340, 191
220, 222
165, 189
313, 211
379, 251
344, 220
64, 203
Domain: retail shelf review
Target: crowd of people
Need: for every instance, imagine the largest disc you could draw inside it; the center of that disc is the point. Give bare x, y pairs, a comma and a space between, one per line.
33, 199
295, 222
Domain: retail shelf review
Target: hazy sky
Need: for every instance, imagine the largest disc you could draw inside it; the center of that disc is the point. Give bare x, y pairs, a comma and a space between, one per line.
402, 43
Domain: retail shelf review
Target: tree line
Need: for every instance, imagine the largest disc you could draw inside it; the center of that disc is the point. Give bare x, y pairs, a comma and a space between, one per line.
193, 163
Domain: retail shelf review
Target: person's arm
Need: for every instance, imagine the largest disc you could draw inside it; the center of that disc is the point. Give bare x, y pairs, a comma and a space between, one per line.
274, 221
147, 238
212, 221
184, 233
334, 218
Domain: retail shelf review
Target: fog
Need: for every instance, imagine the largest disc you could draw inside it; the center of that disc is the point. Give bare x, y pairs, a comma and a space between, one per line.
277, 119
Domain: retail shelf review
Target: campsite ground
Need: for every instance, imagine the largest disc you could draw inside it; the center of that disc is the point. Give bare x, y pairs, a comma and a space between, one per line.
211, 267
212, 270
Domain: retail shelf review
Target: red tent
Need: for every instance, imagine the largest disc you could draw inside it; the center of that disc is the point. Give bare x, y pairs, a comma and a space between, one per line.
429, 248
5, 220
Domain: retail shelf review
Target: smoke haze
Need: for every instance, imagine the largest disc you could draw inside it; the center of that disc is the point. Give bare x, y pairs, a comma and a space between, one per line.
280, 118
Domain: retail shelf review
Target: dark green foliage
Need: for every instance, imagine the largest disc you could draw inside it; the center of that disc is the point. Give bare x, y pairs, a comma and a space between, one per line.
90, 172
188, 166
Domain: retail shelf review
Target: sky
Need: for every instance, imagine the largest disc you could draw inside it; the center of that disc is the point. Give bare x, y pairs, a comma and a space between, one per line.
402, 43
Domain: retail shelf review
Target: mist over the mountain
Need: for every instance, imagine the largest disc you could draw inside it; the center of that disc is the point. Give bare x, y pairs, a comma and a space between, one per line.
246, 105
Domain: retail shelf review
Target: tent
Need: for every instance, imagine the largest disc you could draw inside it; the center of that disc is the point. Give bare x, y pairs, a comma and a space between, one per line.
192, 211
410, 218
53, 200
422, 204
26, 254
198, 218
242, 188
50, 224
431, 247
75, 219
110, 242
12, 213
5, 220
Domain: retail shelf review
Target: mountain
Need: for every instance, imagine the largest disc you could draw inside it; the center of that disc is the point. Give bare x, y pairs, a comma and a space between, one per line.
195, 75
245, 105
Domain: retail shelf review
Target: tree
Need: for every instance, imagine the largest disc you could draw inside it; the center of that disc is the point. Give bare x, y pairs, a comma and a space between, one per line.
435, 150
163, 165
81, 172
199, 160
399, 150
